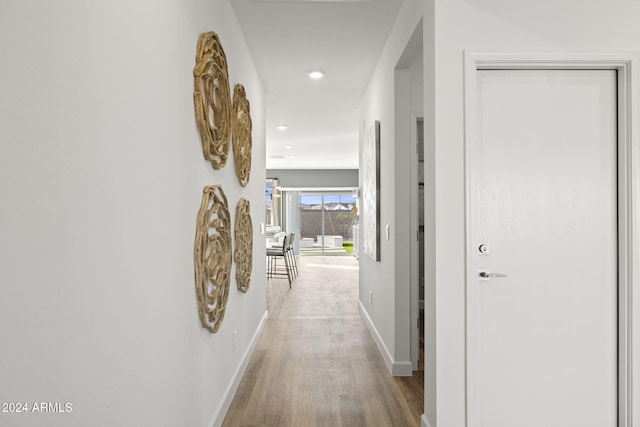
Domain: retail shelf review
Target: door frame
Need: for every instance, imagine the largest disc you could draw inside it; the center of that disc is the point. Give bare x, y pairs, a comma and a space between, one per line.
414, 242
626, 64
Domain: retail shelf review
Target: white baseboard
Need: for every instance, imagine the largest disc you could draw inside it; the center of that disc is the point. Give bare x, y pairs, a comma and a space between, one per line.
402, 369
424, 422
397, 368
225, 403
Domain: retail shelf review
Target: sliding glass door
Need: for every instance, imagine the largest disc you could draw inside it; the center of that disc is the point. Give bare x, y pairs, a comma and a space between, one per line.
326, 222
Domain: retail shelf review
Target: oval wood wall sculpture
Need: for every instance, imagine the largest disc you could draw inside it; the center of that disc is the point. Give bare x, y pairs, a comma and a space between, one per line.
243, 253
212, 254
212, 99
241, 134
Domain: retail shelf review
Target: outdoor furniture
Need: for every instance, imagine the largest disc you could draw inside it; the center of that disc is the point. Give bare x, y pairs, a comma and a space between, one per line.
305, 242
329, 241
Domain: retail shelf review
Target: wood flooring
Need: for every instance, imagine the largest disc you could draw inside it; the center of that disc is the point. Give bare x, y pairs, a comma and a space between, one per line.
316, 363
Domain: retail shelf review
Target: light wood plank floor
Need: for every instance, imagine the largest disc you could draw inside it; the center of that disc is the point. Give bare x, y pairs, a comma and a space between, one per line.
316, 363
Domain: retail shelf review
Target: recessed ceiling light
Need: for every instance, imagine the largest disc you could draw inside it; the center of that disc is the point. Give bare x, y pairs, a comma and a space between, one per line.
288, 147
315, 74
281, 127
291, 157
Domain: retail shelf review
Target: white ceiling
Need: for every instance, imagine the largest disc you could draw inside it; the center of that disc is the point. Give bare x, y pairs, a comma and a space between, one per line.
287, 39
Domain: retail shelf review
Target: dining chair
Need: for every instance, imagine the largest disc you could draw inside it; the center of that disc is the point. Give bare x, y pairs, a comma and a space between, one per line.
279, 252
292, 255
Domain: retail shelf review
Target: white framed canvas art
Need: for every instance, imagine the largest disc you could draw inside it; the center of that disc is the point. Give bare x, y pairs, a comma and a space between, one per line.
370, 218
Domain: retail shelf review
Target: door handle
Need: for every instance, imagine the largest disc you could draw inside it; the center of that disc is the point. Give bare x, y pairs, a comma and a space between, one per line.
486, 274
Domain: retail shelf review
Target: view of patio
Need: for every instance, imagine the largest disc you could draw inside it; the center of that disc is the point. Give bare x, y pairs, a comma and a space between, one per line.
323, 222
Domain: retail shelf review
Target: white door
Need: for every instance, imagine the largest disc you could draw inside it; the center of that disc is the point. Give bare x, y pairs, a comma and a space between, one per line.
542, 342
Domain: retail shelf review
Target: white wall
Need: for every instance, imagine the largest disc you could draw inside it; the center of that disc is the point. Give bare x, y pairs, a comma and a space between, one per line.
430, 297
101, 176
388, 314
492, 24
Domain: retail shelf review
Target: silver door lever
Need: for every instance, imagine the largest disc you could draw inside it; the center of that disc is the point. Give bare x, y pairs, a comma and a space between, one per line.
487, 275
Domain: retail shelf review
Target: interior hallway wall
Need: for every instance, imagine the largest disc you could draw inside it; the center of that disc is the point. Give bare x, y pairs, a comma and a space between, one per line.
101, 178
388, 281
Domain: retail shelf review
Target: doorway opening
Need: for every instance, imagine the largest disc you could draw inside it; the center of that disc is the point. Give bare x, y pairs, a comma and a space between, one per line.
421, 242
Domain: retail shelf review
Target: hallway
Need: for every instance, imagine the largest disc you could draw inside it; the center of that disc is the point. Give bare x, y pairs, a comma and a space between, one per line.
316, 363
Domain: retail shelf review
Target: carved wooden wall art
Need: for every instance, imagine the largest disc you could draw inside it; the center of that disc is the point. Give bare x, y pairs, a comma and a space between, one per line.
212, 253
241, 134
243, 253
212, 99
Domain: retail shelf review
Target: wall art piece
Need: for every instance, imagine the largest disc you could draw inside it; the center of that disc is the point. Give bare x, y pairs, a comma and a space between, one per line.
212, 255
243, 253
370, 217
241, 134
212, 99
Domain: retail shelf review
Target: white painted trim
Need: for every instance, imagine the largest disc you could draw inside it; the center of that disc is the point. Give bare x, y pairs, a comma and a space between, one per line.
388, 360
225, 402
627, 64
402, 369
397, 369
424, 422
